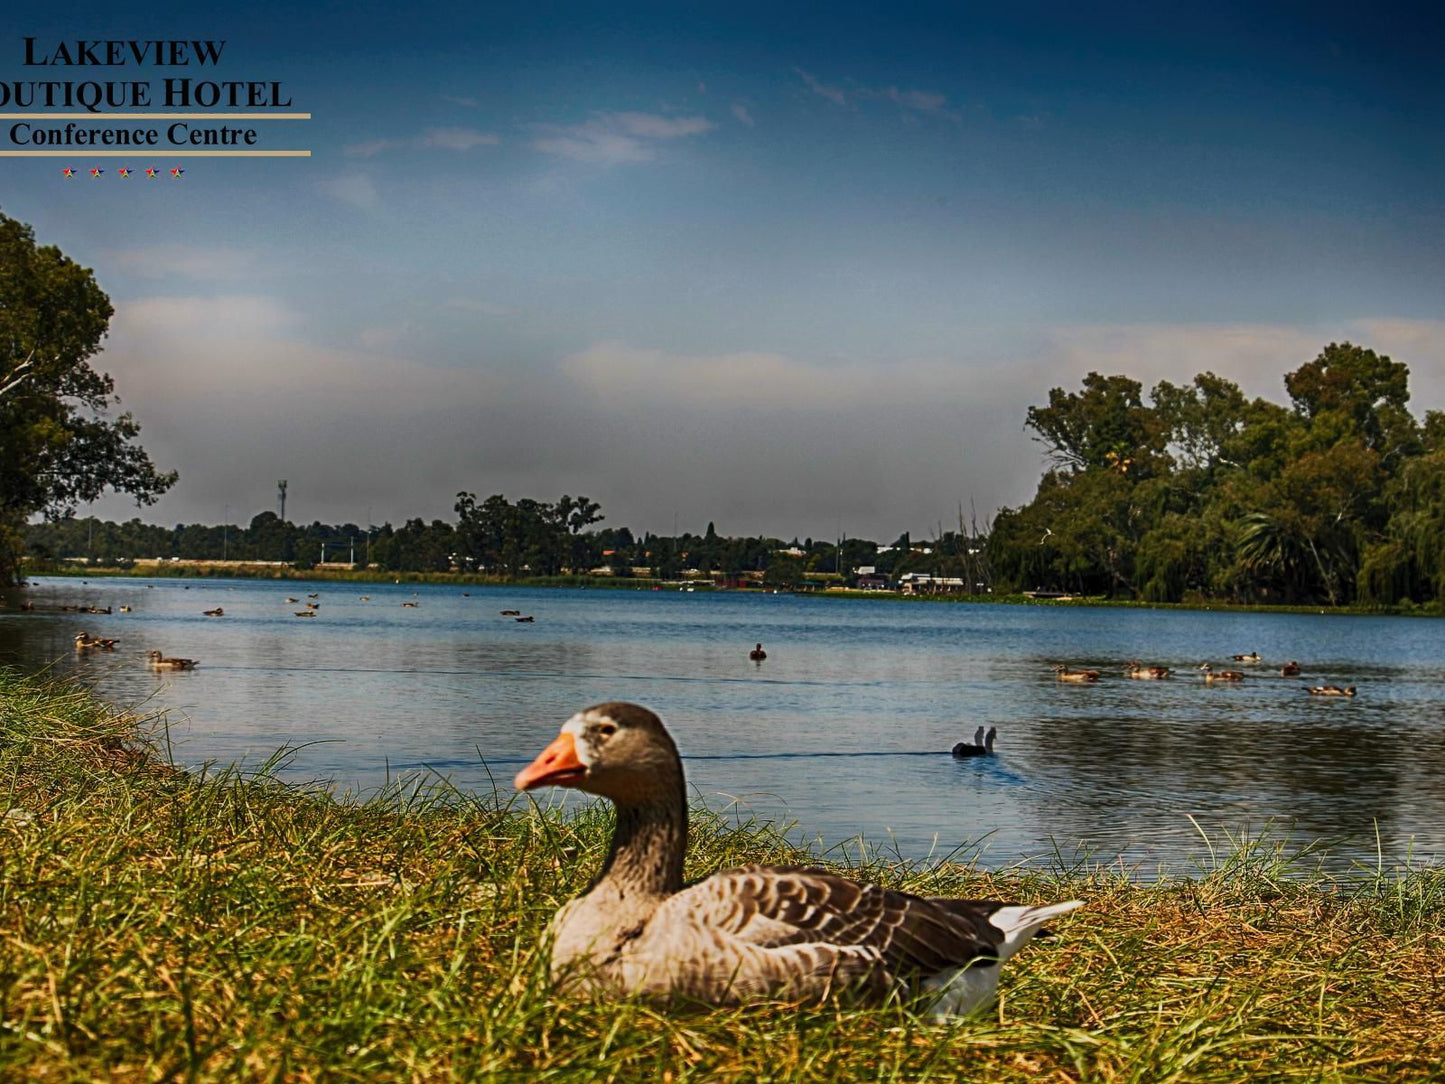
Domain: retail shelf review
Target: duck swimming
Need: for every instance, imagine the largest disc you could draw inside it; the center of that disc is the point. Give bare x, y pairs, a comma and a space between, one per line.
161, 662
757, 654
1331, 690
1146, 673
1063, 673
1253, 656
1223, 675
1289, 669
775, 932
982, 744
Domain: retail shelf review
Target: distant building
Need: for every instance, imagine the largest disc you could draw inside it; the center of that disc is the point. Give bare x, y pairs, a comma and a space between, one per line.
925, 583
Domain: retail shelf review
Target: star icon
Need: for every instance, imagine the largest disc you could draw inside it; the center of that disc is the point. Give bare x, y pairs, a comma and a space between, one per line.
96, 172
151, 172
67, 172
124, 171
176, 172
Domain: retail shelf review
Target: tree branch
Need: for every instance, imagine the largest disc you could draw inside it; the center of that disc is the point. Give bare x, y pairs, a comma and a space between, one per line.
18, 374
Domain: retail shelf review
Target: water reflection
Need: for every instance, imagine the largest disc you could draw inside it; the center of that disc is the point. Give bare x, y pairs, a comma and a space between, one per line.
844, 728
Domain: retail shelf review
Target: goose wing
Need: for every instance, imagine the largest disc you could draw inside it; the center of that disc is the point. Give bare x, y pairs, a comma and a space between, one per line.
817, 928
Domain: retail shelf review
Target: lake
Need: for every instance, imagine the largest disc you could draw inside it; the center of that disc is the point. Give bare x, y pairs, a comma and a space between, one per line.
844, 730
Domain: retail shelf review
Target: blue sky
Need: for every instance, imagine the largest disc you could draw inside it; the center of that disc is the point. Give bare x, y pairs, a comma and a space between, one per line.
792, 270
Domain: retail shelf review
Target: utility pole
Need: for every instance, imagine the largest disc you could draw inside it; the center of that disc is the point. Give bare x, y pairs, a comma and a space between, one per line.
281, 491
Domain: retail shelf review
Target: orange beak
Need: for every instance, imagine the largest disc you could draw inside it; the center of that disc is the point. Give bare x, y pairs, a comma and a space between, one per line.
557, 766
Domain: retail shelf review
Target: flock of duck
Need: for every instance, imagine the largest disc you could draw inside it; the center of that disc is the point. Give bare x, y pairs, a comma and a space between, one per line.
159, 660
1138, 670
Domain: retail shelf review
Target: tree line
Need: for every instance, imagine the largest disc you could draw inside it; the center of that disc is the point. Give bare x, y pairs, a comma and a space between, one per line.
1203, 493
499, 538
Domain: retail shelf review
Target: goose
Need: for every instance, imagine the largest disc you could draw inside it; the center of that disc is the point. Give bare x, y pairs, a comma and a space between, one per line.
84, 641
982, 744
529, 618
1253, 656
1224, 675
1063, 673
1332, 690
1289, 669
757, 654
161, 662
511, 613
1136, 669
780, 932
217, 612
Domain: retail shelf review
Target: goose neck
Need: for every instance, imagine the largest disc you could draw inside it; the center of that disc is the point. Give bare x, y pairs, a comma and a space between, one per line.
648, 847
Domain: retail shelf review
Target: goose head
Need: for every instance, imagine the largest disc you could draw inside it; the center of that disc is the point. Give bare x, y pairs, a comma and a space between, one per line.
617, 750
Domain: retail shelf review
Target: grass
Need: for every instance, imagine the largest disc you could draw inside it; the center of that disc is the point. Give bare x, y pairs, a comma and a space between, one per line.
162, 925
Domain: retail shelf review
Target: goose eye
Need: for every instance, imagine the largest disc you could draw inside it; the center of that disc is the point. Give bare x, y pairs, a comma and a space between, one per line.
607, 729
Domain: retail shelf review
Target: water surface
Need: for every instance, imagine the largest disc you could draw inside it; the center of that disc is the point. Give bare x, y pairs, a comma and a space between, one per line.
844, 729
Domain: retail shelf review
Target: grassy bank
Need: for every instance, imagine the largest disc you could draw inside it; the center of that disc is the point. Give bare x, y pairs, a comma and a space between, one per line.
162, 925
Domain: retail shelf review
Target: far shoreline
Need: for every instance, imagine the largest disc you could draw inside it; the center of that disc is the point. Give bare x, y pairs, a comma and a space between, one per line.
207, 570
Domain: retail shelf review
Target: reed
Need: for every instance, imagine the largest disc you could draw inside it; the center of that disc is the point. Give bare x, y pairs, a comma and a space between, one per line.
224, 925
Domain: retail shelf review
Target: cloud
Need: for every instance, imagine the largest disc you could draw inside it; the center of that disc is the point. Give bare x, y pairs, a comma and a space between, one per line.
833, 94
372, 147
617, 374
468, 304
921, 100
449, 139
927, 102
615, 138
230, 390
355, 189
466, 103
741, 112
185, 261
456, 139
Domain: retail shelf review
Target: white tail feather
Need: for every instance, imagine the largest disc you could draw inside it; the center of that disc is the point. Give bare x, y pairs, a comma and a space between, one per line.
1019, 924
965, 990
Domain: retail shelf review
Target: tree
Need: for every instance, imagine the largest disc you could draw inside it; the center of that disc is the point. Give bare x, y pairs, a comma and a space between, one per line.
1105, 426
57, 449
1352, 391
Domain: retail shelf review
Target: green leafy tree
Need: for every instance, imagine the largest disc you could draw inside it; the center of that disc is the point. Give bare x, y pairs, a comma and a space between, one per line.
1353, 390
1105, 426
58, 450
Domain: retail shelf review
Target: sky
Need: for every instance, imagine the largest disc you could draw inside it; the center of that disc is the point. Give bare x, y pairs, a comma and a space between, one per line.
797, 270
